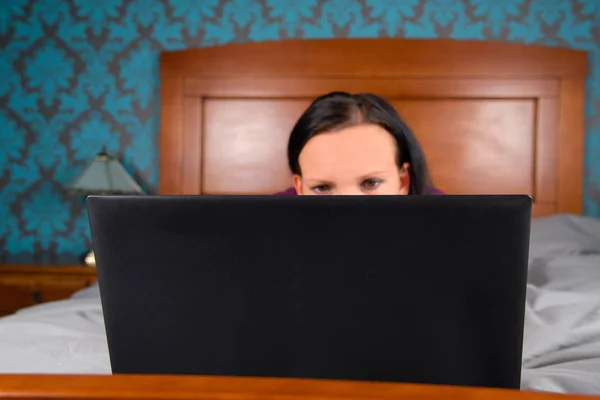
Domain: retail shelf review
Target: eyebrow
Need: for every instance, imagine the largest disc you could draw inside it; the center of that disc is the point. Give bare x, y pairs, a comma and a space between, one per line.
313, 181
373, 173
318, 182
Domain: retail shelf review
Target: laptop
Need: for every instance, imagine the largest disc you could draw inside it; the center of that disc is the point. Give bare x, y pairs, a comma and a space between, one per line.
417, 289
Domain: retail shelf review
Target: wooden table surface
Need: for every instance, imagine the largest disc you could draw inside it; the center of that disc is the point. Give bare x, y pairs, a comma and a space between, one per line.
163, 387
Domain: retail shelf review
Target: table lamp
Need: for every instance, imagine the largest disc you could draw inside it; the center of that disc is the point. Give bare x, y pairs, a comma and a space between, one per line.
103, 176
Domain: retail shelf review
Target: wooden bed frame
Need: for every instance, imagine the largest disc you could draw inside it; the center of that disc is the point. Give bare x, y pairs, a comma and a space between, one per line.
492, 118
134, 387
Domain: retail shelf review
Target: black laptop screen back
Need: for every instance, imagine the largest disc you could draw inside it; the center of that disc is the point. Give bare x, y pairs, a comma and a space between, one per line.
427, 289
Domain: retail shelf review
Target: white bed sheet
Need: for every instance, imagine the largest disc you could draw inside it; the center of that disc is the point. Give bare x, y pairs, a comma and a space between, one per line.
562, 330
59, 337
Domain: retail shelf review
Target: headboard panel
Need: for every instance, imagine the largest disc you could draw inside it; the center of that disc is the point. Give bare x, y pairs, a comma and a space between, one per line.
492, 117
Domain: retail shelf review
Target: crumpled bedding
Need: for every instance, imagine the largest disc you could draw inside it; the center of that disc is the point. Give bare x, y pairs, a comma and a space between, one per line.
562, 325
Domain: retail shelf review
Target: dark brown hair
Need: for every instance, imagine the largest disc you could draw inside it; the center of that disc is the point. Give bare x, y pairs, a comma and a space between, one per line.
339, 110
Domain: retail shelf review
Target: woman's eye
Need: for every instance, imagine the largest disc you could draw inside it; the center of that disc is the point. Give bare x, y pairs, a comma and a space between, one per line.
371, 184
321, 189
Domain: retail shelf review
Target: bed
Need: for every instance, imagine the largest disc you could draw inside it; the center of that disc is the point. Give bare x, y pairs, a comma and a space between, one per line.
492, 118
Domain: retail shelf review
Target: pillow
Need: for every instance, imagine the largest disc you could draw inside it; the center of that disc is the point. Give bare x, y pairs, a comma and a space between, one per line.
564, 234
90, 292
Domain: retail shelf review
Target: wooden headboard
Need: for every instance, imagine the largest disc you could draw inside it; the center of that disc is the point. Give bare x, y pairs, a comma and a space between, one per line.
491, 117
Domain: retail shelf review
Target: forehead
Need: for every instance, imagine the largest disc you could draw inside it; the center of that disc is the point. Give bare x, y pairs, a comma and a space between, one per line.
355, 148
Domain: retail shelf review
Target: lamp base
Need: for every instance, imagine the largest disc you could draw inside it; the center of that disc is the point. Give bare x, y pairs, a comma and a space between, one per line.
90, 259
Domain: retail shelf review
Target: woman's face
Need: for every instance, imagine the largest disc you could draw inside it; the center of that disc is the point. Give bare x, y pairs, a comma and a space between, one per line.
352, 161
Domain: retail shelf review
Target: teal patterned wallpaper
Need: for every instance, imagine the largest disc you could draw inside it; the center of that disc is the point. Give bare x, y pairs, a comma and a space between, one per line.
78, 74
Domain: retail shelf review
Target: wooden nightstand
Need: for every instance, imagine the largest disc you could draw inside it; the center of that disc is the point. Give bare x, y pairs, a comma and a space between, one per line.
25, 285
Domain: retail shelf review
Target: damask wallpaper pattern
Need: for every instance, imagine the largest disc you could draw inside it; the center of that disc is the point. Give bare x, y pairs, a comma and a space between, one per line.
79, 74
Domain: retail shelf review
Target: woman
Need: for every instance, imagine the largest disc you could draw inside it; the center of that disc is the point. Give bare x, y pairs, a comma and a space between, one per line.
348, 144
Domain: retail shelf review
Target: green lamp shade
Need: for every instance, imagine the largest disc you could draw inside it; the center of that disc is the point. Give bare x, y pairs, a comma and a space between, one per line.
104, 176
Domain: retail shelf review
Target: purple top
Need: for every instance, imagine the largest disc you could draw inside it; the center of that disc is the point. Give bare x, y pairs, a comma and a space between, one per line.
427, 191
